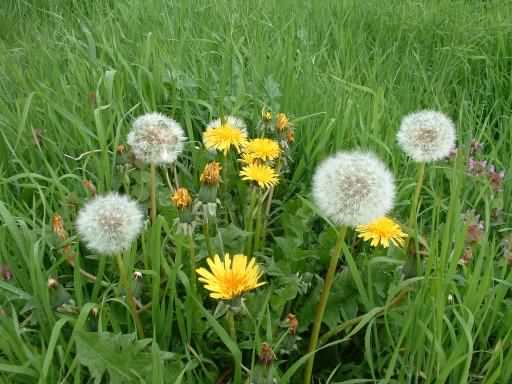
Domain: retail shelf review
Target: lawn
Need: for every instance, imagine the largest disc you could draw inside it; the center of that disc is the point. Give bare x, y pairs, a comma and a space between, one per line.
81, 304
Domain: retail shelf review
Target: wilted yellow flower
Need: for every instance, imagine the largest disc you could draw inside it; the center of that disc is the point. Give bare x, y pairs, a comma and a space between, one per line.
228, 279
211, 173
266, 116
263, 175
181, 198
222, 135
263, 149
382, 231
282, 122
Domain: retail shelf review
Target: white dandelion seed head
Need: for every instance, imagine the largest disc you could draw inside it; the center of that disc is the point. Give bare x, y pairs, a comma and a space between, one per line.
156, 139
353, 188
233, 121
109, 224
427, 136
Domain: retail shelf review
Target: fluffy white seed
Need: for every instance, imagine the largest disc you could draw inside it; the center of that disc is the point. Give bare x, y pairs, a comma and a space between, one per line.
427, 135
353, 188
109, 224
235, 122
156, 139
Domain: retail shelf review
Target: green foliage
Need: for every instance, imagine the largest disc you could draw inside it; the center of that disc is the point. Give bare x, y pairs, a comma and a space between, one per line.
74, 74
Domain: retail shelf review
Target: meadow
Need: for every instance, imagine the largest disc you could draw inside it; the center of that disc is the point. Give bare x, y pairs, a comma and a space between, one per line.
317, 77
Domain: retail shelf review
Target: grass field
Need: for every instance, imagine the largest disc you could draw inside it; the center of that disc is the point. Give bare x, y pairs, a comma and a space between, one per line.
75, 74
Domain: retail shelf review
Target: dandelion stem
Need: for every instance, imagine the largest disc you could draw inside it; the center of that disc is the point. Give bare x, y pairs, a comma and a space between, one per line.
152, 186
129, 295
320, 309
420, 176
206, 231
249, 220
230, 318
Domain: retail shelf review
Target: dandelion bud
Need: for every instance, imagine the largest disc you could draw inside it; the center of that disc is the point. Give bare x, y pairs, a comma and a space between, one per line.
181, 198
58, 227
137, 275
156, 139
266, 117
266, 354
426, 136
211, 173
109, 224
290, 136
282, 122
5, 272
121, 149
52, 283
90, 187
293, 324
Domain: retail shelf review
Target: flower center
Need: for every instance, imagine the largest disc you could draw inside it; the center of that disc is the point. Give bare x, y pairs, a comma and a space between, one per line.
110, 221
427, 135
356, 186
157, 136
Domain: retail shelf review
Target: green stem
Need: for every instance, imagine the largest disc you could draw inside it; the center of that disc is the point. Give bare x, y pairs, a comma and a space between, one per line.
230, 317
206, 231
192, 263
420, 176
249, 220
320, 309
259, 224
152, 191
129, 295
99, 278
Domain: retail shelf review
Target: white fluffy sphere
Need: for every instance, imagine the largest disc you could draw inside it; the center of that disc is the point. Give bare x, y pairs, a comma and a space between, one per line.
353, 188
233, 121
109, 224
427, 135
156, 139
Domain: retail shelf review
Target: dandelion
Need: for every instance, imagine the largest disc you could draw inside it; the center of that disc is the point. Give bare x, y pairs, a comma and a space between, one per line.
263, 175
156, 139
353, 188
266, 117
282, 122
109, 224
221, 136
427, 135
262, 149
211, 173
382, 231
228, 279
181, 198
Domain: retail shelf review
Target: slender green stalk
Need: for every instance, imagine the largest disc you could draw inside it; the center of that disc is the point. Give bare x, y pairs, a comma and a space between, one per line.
259, 231
230, 318
420, 176
320, 309
152, 191
129, 294
206, 231
249, 220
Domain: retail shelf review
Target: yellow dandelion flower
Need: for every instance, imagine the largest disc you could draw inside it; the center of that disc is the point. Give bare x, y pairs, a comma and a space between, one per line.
222, 136
263, 149
227, 279
282, 122
181, 198
382, 231
263, 175
211, 173
248, 158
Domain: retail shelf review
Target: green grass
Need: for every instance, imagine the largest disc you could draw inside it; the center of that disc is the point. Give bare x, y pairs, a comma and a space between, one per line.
74, 74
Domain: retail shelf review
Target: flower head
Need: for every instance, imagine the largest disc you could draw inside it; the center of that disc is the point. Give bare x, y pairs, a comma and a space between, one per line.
266, 116
221, 136
156, 139
382, 231
263, 175
427, 135
353, 188
108, 224
228, 279
282, 122
181, 198
211, 173
262, 149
